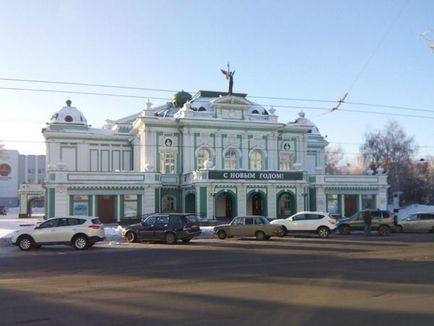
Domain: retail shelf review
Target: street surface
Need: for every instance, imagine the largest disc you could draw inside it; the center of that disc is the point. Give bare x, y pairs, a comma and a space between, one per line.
354, 280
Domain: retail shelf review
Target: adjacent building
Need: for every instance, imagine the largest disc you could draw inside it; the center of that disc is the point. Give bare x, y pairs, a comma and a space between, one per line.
214, 154
17, 169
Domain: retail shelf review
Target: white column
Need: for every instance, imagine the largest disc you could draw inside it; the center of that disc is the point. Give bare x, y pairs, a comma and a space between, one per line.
242, 200
271, 201
245, 150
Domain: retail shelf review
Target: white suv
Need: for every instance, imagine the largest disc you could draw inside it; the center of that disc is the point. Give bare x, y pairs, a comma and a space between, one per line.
318, 222
80, 231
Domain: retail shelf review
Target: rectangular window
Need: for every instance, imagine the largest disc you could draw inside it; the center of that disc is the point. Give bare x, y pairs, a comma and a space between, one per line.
126, 160
368, 201
105, 164
285, 162
116, 160
333, 204
80, 205
130, 205
94, 160
167, 162
68, 156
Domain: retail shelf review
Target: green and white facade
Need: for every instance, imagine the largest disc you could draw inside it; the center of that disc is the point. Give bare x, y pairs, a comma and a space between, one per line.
213, 154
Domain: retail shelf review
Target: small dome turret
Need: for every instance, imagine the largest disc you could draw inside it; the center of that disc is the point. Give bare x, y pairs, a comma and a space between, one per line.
69, 115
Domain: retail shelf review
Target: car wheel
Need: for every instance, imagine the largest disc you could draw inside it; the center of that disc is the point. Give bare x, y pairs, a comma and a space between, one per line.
323, 232
186, 240
131, 237
383, 230
344, 230
170, 238
260, 235
25, 243
398, 228
221, 234
80, 242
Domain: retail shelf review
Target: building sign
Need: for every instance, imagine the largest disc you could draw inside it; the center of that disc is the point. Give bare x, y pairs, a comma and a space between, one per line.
254, 175
5, 170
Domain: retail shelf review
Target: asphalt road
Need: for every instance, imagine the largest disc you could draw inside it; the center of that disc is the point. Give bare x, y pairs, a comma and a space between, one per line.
352, 280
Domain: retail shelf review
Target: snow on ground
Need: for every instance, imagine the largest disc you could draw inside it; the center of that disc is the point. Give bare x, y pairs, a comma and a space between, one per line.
113, 232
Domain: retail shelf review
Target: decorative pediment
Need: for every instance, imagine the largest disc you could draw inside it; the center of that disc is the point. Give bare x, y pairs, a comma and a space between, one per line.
231, 100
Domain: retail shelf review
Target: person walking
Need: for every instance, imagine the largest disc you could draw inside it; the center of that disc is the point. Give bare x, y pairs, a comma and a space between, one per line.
367, 219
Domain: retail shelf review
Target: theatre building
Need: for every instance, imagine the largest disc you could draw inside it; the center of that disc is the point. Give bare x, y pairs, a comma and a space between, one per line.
214, 154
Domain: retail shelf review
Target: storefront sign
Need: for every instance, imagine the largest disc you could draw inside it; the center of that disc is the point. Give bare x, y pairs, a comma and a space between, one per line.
254, 175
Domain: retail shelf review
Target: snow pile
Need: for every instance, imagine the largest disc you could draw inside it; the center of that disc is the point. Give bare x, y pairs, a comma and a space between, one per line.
412, 209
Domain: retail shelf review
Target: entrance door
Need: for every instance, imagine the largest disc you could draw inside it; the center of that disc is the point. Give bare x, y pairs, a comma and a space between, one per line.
257, 204
229, 207
106, 209
350, 205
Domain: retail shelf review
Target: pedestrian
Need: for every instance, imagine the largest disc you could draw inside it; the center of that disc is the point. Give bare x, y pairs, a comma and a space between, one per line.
367, 219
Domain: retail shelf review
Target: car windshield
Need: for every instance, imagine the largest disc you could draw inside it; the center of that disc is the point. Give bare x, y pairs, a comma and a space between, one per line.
192, 219
264, 220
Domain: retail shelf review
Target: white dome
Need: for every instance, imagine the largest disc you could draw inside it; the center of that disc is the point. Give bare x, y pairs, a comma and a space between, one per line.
69, 115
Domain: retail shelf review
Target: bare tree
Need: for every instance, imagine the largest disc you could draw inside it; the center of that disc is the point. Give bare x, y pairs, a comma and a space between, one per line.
392, 150
333, 156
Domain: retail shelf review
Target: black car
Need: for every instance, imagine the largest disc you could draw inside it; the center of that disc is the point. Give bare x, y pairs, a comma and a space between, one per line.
169, 228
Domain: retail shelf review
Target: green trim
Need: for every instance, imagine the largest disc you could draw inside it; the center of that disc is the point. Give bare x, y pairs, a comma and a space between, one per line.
292, 198
51, 202
139, 204
312, 199
90, 205
71, 205
157, 200
215, 94
234, 199
235, 129
174, 193
121, 205
203, 201
190, 203
116, 208
264, 197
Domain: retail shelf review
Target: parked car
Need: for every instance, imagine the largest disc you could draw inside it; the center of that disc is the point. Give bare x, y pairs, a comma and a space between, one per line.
317, 222
382, 221
79, 231
249, 226
169, 228
419, 222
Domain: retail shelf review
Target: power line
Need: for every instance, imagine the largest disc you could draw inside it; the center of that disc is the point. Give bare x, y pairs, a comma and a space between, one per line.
174, 91
82, 93
166, 99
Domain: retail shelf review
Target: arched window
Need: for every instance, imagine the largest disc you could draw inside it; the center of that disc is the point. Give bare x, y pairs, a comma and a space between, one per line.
168, 204
256, 160
167, 162
231, 160
203, 156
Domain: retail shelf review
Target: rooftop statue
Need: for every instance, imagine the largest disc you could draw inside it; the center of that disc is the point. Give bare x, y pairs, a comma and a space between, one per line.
229, 76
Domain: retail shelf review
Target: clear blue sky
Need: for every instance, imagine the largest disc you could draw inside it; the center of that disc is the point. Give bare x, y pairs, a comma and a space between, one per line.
293, 49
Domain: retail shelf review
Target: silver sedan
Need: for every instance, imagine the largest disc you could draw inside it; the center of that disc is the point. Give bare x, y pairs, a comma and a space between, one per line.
419, 222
